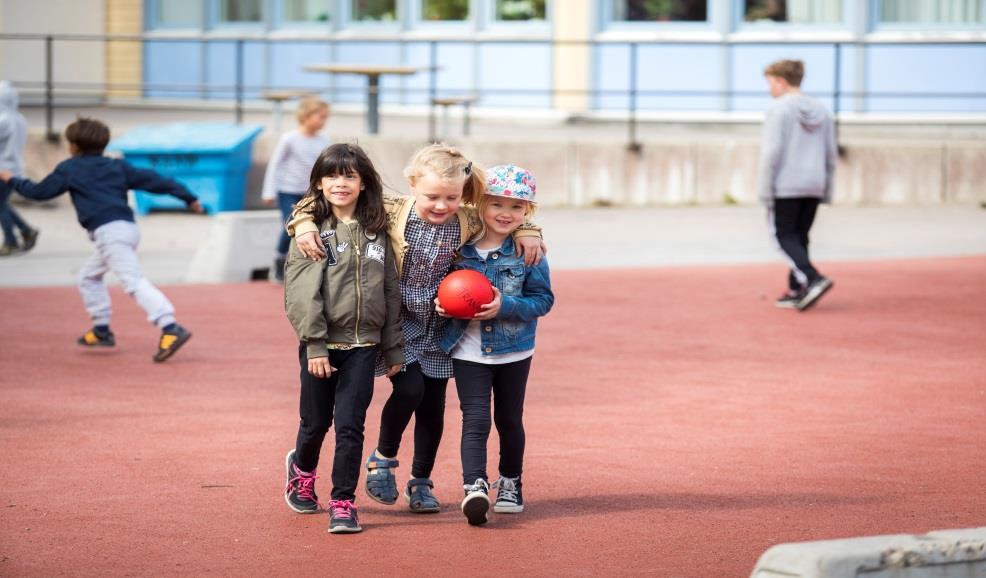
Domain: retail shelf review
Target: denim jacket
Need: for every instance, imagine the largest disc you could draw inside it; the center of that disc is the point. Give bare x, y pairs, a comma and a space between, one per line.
525, 293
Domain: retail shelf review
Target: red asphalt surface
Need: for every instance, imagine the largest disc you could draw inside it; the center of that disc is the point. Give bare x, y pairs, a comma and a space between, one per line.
678, 425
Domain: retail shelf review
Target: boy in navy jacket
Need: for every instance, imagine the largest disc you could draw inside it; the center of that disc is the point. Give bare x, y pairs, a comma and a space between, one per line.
98, 186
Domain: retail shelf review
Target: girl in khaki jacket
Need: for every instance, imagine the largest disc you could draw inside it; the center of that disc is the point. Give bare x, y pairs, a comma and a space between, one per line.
346, 312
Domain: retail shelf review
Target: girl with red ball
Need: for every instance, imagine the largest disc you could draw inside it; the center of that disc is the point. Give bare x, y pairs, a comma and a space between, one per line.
491, 354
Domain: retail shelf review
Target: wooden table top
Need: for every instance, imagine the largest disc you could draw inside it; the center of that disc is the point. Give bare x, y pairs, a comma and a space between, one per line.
367, 69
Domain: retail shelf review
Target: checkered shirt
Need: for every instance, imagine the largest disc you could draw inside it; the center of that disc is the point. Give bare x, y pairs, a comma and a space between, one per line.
432, 248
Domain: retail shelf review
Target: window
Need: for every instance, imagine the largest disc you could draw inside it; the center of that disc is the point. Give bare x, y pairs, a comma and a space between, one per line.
931, 11
240, 11
661, 10
178, 14
518, 10
305, 11
374, 10
438, 10
793, 11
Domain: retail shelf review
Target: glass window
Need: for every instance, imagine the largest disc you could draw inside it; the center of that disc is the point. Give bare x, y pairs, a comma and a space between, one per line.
374, 10
240, 11
513, 10
931, 11
793, 11
178, 13
660, 10
305, 10
436, 10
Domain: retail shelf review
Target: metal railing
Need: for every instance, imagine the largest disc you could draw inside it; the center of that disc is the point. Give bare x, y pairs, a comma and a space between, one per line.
239, 89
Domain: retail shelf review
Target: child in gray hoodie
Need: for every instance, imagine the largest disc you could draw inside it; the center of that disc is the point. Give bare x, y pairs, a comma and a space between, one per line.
797, 167
13, 136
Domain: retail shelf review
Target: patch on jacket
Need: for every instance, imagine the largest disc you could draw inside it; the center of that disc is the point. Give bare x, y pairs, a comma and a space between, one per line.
326, 237
375, 252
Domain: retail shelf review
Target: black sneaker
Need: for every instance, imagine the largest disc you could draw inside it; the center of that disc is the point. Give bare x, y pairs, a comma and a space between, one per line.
95, 338
477, 502
814, 292
509, 499
30, 238
788, 300
344, 519
299, 492
170, 342
277, 271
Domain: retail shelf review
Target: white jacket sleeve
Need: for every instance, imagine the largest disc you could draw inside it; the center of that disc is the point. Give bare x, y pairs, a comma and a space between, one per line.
269, 190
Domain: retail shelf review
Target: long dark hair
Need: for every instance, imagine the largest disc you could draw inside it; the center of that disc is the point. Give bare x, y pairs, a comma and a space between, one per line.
343, 159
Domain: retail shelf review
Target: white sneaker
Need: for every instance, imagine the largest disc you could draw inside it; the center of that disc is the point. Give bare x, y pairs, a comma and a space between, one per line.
477, 502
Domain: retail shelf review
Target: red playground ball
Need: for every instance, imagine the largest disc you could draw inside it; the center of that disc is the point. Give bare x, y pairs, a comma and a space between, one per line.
462, 293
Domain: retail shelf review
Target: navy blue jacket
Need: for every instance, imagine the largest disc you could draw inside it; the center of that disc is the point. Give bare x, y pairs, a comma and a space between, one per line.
98, 186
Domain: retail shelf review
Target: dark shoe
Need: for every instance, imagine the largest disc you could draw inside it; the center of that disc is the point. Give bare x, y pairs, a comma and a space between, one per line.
381, 484
277, 271
788, 300
814, 292
509, 499
30, 239
170, 342
93, 338
299, 493
344, 519
419, 498
6, 250
477, 502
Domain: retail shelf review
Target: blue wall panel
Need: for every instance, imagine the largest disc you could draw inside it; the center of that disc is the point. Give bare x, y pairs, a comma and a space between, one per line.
172, 69
515, 75
931, 71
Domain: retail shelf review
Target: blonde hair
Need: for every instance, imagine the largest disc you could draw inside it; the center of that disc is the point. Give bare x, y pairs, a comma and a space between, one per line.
308, 106
790, 70
449, 164
485, 201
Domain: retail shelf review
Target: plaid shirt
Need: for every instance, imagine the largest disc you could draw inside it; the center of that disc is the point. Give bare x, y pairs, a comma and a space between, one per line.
432, 248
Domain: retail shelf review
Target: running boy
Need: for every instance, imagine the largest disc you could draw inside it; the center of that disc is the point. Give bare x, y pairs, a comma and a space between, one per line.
98, 186
492, 356
797, 169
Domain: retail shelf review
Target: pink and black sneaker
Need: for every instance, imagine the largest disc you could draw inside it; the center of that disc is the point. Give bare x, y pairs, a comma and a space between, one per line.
344, 519
299, 493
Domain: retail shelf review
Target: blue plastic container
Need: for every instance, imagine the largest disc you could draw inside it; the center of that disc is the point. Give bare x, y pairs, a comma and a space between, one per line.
211, 159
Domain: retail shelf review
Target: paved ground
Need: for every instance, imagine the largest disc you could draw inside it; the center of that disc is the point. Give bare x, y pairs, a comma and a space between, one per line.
577, 238
677, 424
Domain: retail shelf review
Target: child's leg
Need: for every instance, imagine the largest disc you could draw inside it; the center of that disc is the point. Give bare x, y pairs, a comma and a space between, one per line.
409, 390
353, 392
117, 241
429, 424
785, 222
473, 382
6, 215
317, 400
285, 202
95, 297
509, 389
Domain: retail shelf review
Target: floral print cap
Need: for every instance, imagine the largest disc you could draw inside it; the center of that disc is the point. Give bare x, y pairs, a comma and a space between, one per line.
511, 181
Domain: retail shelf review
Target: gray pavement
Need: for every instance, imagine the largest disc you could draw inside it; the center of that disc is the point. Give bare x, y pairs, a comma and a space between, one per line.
577, 238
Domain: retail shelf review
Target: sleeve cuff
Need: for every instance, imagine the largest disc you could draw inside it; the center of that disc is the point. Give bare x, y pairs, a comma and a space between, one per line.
394, 356
317, 349
305, 227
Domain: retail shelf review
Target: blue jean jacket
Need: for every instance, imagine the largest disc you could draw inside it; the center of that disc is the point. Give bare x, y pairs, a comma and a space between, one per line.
525, 293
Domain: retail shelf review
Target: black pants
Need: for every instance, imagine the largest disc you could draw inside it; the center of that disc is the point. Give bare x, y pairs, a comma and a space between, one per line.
344, 395
423, 397
792, 220
508, 384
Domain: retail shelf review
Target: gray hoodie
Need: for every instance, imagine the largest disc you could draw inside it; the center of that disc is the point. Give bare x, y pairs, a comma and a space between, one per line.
13, 131
798, 153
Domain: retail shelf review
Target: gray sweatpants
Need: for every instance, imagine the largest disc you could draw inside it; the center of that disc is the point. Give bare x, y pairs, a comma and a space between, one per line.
116, 251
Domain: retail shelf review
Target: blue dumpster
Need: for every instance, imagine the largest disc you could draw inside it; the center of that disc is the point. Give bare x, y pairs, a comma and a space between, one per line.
211, 159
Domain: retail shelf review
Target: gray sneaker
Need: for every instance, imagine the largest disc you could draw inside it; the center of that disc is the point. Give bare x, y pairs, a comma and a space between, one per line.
477, 502
509, 499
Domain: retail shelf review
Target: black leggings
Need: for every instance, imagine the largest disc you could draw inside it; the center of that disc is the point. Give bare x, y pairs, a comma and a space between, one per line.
508, 384
423, 397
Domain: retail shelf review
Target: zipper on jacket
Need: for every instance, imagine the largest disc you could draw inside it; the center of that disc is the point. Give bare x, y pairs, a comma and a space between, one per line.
354, 239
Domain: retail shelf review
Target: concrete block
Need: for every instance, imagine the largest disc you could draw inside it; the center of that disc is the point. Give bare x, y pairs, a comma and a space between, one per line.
941, 554
881, 174
965, 180
239, 243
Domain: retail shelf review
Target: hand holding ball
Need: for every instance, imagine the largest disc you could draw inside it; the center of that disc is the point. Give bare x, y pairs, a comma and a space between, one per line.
463, 293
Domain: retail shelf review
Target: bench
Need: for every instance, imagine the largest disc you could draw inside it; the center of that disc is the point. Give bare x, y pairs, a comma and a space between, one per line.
446, 103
